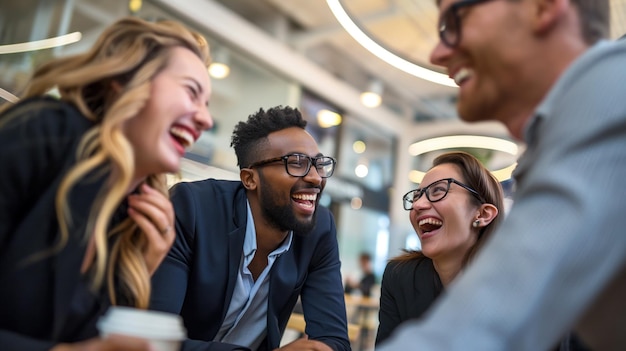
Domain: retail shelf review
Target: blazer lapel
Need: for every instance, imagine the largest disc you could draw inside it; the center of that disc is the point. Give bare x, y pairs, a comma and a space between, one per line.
235, 247
283, 278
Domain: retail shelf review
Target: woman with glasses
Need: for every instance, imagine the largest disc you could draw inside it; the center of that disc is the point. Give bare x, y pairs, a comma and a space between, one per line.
455, 209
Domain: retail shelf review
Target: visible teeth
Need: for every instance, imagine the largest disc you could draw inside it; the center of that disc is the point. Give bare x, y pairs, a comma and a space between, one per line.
183, 135
430, 221
306, 204
307, 197
461, 75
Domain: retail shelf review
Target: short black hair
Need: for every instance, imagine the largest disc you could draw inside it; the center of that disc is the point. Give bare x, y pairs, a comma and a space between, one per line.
249, 136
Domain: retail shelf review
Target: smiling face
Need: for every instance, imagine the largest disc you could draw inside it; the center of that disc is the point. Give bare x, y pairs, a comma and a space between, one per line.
287, 202
174, 116
445, 227
488, 61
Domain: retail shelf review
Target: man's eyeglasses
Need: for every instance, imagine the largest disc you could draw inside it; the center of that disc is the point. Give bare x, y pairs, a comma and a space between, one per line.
450, 22
299, 165
435, 192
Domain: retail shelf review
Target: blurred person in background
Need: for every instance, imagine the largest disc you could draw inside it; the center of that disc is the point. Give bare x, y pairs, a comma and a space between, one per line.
453, 213
85, 217
368, 278
558, 260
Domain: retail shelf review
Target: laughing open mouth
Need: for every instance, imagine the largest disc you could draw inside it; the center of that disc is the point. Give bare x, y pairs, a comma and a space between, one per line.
306, 200
429, 224
183, 136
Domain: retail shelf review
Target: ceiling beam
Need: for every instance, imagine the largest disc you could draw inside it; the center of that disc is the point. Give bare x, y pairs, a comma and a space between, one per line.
315, 36
264, 48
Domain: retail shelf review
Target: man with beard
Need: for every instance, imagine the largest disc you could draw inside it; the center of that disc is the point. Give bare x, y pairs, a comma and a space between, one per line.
558, 260
246, 250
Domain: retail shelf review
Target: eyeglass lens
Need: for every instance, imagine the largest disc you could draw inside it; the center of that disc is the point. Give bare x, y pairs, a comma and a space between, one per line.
434, 192
449, 26
299, 165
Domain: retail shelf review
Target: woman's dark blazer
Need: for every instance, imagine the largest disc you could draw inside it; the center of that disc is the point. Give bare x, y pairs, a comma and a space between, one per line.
408, 288
44, 298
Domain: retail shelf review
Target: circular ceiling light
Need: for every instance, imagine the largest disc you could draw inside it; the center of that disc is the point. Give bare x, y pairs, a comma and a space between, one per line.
382, 53
41, 44
465, 141
460, 141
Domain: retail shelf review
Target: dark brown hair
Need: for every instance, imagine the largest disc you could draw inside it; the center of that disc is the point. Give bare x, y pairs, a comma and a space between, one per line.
477, 177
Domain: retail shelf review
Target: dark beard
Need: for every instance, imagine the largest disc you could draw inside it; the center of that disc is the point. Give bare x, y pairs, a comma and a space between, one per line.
282, 217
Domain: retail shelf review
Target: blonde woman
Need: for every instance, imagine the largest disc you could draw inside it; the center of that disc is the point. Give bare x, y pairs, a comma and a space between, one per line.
85, 217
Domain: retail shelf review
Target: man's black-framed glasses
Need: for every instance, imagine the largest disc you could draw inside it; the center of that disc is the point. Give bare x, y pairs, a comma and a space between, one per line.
450, 22
299, 165
436, 191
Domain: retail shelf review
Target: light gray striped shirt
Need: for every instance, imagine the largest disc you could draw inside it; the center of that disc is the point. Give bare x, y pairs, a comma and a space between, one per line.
563, 239
246, 320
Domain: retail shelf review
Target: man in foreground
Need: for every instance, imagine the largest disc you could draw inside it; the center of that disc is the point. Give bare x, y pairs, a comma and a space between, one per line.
557, 262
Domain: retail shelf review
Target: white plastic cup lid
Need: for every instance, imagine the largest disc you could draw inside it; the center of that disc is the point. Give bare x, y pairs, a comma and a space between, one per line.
142, 323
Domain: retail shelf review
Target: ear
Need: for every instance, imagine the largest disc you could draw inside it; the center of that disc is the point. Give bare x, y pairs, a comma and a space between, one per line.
486, 214
248, 178
548, 13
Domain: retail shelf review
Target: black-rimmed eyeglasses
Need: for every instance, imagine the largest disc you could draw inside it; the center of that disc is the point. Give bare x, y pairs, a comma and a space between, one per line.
450, 22
299, 165
436, 191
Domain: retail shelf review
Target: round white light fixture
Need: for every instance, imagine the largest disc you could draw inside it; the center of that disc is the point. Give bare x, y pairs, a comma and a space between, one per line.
219, 70
361, 171
372, 46
459, 141
219, 67
465, 141
359, 146
372, 97
327, 118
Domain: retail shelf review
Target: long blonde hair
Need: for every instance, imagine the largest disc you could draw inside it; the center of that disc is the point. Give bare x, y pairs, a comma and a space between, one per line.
127, 55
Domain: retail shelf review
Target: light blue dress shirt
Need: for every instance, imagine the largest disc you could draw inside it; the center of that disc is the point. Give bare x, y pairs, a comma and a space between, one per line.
246, 320
563, 239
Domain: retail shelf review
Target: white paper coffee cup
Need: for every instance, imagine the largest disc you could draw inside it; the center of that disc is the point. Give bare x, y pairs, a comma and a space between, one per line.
165, 331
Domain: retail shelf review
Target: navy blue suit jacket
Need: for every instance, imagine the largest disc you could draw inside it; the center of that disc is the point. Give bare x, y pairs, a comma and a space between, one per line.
197, 278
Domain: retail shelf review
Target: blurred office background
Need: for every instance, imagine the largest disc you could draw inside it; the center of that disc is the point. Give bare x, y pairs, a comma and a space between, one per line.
319, 56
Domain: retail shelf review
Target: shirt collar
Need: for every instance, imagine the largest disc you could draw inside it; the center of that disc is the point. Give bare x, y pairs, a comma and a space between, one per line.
545, 109
250, 244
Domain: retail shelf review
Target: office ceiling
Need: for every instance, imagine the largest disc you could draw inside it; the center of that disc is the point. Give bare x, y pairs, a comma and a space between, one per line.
405, 27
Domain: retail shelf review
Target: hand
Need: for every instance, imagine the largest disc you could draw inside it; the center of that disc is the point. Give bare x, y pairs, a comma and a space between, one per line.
154, 214
111, 343
304, 344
